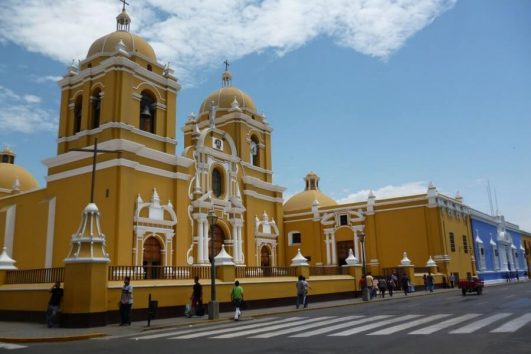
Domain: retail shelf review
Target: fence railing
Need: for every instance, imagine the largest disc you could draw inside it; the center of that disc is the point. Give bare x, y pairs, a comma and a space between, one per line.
262, 272
158, 272
32, 276
328, 270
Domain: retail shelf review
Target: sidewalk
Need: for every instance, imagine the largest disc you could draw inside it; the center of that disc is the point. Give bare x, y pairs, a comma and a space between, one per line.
22, 332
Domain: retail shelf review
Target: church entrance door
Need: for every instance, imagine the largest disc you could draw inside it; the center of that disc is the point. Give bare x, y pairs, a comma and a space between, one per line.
152, 258
342, 251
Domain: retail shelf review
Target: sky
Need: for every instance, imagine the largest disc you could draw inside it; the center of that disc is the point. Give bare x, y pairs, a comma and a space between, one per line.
381, 95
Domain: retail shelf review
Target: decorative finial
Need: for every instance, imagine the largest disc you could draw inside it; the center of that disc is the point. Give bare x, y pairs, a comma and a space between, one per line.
226, 78
226, 62
124, 3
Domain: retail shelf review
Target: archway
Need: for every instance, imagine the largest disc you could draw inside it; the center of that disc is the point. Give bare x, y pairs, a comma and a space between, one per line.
342, 251
152, 258
265, 257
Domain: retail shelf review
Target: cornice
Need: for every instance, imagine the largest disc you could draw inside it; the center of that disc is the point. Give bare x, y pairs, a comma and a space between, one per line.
117, 125
262, 197
253, 181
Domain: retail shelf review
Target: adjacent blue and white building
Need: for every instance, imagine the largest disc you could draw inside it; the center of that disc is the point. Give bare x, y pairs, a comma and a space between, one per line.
498, 249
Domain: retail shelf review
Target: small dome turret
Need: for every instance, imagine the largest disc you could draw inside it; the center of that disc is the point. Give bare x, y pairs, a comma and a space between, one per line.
305, 200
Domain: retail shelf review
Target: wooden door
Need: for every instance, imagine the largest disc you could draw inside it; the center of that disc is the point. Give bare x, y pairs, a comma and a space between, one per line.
342, 248
152, 258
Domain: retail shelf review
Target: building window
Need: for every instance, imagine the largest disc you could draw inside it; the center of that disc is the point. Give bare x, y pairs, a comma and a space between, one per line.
452, 242
255, 152
343, 220
149, 67
96, 108
482, 251
294, 238
147, 112
496, 253
465, 244
78, 108
217, 183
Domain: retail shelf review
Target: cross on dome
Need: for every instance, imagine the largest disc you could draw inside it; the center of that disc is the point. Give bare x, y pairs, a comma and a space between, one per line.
124, 3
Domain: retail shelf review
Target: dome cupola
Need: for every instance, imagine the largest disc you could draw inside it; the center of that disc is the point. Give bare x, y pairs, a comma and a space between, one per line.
13, 178
311, 193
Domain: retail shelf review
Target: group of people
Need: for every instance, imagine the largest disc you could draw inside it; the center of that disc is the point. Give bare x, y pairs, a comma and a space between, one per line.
378, 286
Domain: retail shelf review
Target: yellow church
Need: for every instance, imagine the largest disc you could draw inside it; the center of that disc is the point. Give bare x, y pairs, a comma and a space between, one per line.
147, 207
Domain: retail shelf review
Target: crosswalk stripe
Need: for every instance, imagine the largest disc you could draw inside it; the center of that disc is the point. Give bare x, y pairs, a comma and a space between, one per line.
302, 328
190, 330
407, 325
474, 326
340, 326
234, 328
445, 324
374, 325
11, 346
269, 328
513, 325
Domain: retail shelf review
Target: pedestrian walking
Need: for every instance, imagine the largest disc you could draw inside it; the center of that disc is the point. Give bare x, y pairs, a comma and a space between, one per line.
425, 282
126, 302
300, 291
404, 283
369, 280
391, 284
196, 299
382, 286
306, 291
53, 305
429, 282
236, 296
451, 277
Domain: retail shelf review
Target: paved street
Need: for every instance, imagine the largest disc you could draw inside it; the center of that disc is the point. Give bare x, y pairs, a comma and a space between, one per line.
438, 323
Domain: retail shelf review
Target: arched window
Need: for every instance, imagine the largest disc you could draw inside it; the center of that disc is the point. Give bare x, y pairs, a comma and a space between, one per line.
96, 109
255, 152
78, 107
147, 112
217, 183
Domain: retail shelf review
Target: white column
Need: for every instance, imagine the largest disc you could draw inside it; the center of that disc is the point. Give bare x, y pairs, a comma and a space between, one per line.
206, 240
334, 253
273, 255
356, 245
235, 243
200, 256
50, 229
240, 243
10, 229
327, 242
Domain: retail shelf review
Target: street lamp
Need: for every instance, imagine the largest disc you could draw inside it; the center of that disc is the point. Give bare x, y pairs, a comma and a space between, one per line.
364, 289
213, 307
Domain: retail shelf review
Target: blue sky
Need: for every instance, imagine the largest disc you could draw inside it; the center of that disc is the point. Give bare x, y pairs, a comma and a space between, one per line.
385, 97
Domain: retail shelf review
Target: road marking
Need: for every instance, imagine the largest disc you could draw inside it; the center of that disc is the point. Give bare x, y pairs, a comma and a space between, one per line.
407, 325
445, 324
474, 326
302, 328
11, 346
268, 328
234, 328
340, 326
195, 328
513, 325
374, 325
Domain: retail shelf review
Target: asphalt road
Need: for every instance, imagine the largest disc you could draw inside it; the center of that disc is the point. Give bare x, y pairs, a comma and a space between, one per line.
499, 321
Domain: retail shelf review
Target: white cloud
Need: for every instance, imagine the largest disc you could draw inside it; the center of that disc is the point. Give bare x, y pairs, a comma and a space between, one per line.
22, 114
46, 78
32, 99
196, 34
412, 188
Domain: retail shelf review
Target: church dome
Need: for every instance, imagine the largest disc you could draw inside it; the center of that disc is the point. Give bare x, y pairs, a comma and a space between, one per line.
225, 97
13, 177
305, 199
132, 42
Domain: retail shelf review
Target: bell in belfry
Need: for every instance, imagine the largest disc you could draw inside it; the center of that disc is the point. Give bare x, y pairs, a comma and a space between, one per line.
146, 112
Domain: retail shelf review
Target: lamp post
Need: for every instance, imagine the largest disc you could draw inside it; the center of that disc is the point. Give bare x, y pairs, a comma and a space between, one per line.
213, 307
364, 289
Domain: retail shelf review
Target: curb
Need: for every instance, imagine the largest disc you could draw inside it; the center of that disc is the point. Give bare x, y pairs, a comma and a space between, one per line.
51, 339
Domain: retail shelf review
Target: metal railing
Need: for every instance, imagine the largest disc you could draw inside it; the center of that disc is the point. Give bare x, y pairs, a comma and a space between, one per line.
263, 272
33, 276
158, 272
328, 271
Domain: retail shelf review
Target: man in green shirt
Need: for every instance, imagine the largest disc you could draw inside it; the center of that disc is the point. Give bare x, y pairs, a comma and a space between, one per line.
236, 296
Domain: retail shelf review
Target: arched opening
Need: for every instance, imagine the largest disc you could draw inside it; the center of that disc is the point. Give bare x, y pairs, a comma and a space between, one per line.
255, 151
265, 257
96, 109
219, 239
148, 112
342, 251
78, 108
152, 258
217, 183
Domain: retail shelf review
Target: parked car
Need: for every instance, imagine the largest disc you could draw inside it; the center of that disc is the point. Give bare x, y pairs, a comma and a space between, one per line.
471, 285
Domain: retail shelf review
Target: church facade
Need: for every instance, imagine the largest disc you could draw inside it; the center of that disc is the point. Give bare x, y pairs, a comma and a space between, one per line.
117, 116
